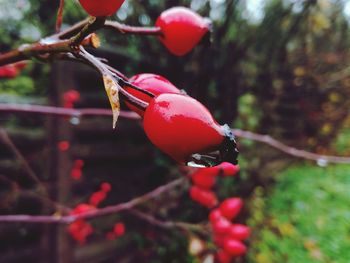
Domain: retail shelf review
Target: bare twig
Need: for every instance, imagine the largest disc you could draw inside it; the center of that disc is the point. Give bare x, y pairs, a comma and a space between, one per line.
169, 224
57, 219
31, 174
45, 200
289, 150
126, 29
53, 45
34, 50
59, 111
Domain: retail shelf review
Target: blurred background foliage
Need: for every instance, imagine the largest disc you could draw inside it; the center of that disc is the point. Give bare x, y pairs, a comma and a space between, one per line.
278, 67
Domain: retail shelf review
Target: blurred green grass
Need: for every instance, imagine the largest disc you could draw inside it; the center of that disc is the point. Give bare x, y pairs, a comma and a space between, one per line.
305, 217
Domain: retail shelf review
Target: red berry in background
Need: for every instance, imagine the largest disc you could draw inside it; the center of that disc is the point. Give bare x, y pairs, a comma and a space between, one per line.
238, 231
97, 197
219, 239
221, 226
82, 208
119, 229
8, 71
234, 247
101, 7
78, 163
182, 29
152, 83
215, 215
76, 173
20, 65
231, 207
203, 178
80, 230
228, 169
70, 97
203, 197
181, 126
106, 187
223, 257
63, 146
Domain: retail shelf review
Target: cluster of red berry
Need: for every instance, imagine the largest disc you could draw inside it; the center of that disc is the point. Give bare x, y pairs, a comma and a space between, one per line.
80, 229
99, 196
12, 70
226, 235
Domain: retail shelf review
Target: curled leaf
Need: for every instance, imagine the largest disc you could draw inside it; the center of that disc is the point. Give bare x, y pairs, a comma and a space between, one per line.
112, 89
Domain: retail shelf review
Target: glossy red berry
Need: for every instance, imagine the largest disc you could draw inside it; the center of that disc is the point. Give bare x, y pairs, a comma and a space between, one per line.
231, 207
228, 169
223, 257
152, 83
221, 226
204, 178
181, 126
182, 29
215, 215
238, 231
234, 247
101, 7
203, 197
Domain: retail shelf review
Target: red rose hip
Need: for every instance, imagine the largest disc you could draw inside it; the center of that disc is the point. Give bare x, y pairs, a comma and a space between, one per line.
203, 197
234, 247
221, 226
204, 178
182, 29
152, 83
238, 231
181, 126
101, 7
231, 207
228, 169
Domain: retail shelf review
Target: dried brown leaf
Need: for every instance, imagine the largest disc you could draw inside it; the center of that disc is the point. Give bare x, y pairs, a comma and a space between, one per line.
112, 90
